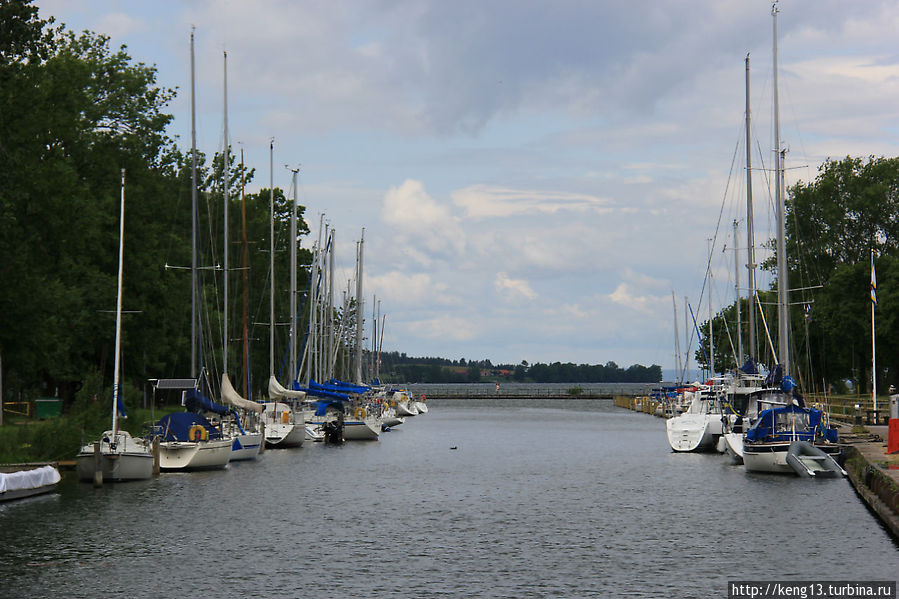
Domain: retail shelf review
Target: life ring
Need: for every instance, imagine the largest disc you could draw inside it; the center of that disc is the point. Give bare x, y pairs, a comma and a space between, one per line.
197, 433
359, 413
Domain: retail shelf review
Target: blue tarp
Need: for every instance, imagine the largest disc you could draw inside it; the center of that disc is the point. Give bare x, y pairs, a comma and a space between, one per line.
343, 386
175, 427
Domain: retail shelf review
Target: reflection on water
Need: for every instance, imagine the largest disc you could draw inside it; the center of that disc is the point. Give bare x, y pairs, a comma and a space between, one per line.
540, 499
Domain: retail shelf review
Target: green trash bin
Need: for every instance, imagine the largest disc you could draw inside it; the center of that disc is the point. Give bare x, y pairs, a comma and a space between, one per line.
47, 407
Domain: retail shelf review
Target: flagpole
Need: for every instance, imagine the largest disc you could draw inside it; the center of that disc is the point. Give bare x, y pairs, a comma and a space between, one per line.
873, 344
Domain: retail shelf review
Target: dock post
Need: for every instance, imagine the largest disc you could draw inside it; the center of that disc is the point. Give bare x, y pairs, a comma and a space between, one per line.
156, 456
262, 442
98, 466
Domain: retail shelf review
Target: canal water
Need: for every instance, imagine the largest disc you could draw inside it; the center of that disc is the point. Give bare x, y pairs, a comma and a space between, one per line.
552, 498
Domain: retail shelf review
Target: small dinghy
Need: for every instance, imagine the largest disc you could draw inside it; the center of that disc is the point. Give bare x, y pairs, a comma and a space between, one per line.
807, 460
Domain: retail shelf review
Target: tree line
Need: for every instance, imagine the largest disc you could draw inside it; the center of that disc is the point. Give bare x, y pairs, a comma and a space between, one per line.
398, 367
832, 224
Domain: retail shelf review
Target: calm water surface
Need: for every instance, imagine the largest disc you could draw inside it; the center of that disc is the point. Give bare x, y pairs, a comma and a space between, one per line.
540, 499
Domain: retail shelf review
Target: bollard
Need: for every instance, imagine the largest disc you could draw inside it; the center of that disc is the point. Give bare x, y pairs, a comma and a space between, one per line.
98, 466
858, 414
156, 467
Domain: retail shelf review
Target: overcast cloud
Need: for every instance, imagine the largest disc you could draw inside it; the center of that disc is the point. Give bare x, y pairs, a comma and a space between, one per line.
535, 178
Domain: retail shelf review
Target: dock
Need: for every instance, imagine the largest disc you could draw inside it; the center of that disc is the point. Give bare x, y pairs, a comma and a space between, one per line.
873, 473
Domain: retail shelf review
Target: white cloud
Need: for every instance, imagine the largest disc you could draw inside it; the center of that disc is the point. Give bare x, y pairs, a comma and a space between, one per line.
513, 288
418, 219
484, 201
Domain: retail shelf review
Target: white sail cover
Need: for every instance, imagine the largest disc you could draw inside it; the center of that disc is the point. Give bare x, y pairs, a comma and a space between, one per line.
276, 391
231, 396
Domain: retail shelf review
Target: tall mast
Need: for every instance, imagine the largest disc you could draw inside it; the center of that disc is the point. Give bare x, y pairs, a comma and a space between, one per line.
226, 181
116, 391
737, 295
750, 227
783, 280
711, 316
194, 282
359, 308
293, 281
244, 267
677, 364
271, 258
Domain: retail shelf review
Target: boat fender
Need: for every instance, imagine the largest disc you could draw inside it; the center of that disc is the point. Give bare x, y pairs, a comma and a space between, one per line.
360, 413
285, 417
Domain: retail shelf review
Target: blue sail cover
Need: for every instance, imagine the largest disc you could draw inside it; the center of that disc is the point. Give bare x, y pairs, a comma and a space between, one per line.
322, 393
176, 427
197, 402
345, 387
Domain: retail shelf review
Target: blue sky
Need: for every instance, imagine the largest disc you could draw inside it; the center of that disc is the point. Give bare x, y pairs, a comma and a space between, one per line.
535, 178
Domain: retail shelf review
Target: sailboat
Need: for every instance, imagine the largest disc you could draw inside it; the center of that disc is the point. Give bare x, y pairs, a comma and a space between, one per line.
247, 439
117, 456
783, 418
285, 426
190, 441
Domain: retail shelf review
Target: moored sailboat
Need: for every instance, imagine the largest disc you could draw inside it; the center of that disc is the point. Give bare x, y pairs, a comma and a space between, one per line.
117, 456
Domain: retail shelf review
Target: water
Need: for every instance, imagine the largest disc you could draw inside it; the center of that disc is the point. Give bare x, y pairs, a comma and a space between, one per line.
540, 499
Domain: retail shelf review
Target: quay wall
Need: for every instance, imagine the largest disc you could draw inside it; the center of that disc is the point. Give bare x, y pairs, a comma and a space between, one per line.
878, 489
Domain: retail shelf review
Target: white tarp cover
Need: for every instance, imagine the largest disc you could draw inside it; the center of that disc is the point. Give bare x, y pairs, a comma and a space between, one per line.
29, 479
231, 396
276, 391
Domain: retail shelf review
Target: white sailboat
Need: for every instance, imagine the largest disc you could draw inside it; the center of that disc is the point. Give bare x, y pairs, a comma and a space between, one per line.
285, 426
247, 439
699, 426
783, 419
117, 456
189, 441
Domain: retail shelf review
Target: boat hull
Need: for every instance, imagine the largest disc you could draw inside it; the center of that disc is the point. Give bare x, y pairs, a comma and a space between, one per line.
772, 457
126, 459
692, 432
28, 482
190, 455
368, 429
246, 446
281, 436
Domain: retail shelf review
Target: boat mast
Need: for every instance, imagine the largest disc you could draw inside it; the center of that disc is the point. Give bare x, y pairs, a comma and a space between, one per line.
244, 267
226, 180
783, 282
293, 281
116, 391
737, 295
677, 364
359, 307
194, 282
750, 229
873, 344
271, 259
711, 316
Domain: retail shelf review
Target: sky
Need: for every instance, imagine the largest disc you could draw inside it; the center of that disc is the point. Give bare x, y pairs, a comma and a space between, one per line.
536, 179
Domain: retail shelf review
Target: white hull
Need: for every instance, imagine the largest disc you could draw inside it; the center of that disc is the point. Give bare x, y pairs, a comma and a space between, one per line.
127, 459
25, 483
190, 455
362, 430
246, 446
406, 408
693, 432
421, 407
733, 446
767, 458
279, 436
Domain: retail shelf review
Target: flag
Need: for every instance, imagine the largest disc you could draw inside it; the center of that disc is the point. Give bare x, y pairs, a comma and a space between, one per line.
873, 282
